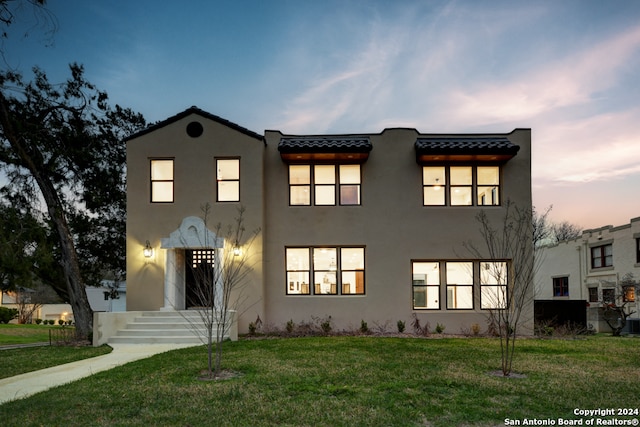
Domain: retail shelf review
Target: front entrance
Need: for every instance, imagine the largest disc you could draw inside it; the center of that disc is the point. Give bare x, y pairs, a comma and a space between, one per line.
199, 277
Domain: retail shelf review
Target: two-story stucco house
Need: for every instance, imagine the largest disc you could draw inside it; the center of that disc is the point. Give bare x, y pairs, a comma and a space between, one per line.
589, 269
365, 226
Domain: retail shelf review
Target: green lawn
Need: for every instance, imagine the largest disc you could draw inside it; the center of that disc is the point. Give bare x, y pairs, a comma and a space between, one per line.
24, 334
349, 381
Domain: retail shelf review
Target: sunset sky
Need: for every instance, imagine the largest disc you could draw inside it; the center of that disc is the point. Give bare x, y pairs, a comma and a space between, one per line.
569, 70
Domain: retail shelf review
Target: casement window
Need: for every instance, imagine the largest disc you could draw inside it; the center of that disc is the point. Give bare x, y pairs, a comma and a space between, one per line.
228, 180
161, 180
426, 285
324, 185
602, 256
561, 286
461, 185
459, 279
593, 294
493, 285
325, 271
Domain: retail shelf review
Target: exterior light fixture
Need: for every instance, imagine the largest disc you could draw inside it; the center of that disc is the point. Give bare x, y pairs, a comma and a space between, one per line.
148, 250
237, 250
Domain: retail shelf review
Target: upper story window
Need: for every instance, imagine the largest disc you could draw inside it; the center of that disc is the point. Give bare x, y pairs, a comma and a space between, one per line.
602, 256
228, 180
561, 286
325, 271
461, 185
162, 180
638, 250
323, 185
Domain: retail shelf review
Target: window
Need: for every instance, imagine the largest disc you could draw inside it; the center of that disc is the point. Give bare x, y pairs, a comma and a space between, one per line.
426, 285
560, 286
602, 256
609, 296
228, 180
162, 181
334, 271
459, 276
493, 285
638, 250
593, 295
330, 183
629, 294
454, 185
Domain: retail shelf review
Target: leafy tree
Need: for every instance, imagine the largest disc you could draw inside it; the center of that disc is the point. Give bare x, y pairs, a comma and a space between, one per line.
512, 239
616, 311
63, 144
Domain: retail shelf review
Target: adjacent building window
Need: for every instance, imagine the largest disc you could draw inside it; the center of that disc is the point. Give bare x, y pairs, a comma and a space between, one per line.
609, 296
459, 279
593, 295
629, 294
162, 180
325, 271
493, 285
228, 180
638, 250
330, 184
461, 185
602, 256
426, 285
560, 286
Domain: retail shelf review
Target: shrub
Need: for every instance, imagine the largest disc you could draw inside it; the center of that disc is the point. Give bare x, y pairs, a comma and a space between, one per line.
325, 325
7, 314
38, 321
475, 329
401, 326
418, 329
290, 326
439, 328
252, 328
364, 328
60, 322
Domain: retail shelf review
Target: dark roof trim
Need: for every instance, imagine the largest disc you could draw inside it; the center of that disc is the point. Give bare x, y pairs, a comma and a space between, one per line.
329, 144
202, 113
466, 148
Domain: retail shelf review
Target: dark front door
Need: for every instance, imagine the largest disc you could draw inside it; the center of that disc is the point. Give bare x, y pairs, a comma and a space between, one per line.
199, 278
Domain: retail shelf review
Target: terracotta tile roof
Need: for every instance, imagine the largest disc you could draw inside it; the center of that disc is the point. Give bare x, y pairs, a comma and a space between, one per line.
331, 144
466, 145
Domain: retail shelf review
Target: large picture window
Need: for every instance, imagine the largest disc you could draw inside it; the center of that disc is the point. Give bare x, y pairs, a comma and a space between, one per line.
162, 180
228, 180
325, 271
602, 256
426, 285
461, 185
331, 184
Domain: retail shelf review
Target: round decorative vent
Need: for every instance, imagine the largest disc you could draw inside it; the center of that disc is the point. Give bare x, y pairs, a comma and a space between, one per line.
194, 129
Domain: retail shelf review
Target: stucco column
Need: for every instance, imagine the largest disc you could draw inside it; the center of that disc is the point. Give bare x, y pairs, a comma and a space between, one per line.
172, 293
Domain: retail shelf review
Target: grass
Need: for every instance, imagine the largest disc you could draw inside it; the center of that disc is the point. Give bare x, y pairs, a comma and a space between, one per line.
348, 381
24, 334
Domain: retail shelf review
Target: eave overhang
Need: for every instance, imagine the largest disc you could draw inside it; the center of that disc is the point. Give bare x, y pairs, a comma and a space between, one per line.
324, 149
467, 149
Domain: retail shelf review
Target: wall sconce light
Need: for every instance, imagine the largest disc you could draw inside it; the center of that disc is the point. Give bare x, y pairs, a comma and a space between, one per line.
237, 250
148, 250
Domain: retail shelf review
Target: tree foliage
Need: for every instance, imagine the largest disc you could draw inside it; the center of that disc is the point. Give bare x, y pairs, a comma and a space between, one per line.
62, 153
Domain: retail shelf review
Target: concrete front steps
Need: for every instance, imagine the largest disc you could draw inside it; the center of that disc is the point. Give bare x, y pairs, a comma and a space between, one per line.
162, 327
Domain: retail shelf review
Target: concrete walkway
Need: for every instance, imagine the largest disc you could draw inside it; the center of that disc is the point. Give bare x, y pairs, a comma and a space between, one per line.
24, 385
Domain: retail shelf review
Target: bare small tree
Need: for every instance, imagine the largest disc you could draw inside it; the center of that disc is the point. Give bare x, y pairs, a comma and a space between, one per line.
25, 304
217, 291
509, 295
565, 230
615, 309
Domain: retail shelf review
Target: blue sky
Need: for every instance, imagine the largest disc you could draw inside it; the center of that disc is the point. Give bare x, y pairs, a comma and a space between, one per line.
570, 70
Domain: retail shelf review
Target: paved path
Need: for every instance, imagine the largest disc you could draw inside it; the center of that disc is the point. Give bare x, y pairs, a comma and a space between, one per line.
24, 385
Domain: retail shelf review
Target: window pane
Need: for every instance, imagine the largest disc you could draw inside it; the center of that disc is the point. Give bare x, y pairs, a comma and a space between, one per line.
493, 297
461, 196
299, 174
228, 169
488, 175
493, 273
298, 282
353, 282
161, 170
459, 273
162, 191
459, 297
228, 191
300, 195
325, 194
433, 196
426, 273
297, 258
426, 297
433, 175
352, 258
325, 174
324, 259
350, 194
488, 196
460, 175
349, 174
